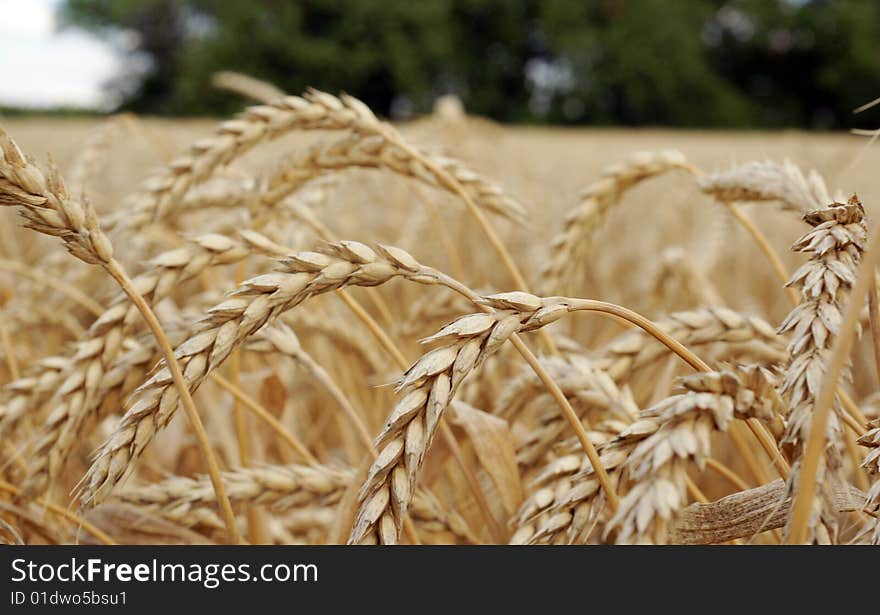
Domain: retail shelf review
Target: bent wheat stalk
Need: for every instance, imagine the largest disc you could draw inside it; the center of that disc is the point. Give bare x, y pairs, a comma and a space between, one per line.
47, 208
225, 328
233, 138
431, 383
656, 467
78, 399
570, 248
835, 245
376, 152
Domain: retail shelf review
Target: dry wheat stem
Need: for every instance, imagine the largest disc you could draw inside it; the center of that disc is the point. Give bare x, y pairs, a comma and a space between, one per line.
740, 336
765, 247
9, 351
874, 321
279, 338
264, 415
242, 433
186, 400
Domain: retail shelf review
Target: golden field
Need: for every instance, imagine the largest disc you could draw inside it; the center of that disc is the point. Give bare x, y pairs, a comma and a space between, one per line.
692, 403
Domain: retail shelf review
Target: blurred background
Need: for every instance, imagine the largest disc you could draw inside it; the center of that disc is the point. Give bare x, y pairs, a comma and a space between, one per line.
700, 63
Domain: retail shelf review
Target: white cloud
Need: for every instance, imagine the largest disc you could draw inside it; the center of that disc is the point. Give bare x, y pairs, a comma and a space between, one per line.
43, 67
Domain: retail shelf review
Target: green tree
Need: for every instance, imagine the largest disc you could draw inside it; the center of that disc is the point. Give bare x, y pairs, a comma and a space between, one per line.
754, 63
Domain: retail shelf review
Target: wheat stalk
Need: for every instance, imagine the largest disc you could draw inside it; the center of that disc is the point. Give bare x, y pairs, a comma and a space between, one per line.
233, 138
377, 152
835, 244
739, 335
571, 247
279, 338
226, 327
78, 397
650, 454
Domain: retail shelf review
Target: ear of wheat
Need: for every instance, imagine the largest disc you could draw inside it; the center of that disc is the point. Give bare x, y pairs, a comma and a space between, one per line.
571, 247
768, 181
835, 245
652, 455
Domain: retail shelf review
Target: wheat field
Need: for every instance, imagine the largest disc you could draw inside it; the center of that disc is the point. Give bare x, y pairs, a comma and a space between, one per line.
305, 325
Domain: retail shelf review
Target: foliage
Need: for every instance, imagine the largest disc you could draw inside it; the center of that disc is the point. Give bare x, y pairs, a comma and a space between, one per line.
752, 63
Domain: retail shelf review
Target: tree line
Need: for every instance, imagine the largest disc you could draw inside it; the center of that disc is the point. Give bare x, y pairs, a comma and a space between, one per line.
728, 63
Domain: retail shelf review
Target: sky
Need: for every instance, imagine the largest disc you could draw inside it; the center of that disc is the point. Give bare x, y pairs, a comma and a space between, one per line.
44, 67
